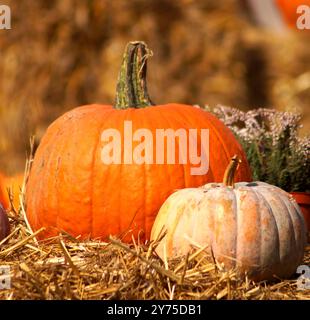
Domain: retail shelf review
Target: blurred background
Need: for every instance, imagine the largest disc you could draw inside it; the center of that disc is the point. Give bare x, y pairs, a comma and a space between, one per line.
64, 53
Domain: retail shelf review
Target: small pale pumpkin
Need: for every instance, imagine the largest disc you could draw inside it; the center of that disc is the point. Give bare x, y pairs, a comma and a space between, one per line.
256, 227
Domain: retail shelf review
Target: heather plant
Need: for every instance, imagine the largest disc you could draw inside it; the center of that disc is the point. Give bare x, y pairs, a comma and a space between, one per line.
276, 153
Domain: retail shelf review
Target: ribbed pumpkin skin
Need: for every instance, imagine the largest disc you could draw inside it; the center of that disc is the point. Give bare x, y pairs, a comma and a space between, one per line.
256, 227
4, 224
71, 189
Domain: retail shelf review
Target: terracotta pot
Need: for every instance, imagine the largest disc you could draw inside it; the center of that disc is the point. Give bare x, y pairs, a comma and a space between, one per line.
303, 200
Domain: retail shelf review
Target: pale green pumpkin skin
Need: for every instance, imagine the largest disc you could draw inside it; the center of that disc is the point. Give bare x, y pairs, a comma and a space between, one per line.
255, 227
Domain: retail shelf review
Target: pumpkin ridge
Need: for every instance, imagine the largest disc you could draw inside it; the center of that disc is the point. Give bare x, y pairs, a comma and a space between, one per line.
292, 226
236, 226
283, 199
65, 144
57, 192
300, 218
164, 116
140, 124
227, 220
61, 148
271, 214
154, 118
257, 195
187, 119
260, 197
247, 230
186, 179
179, 213
223, 144
94, 154
41, 187
282, 248
183, 166
109, 115
145, 179
155, 124
184, 171
119, 221
49, 162
213, 129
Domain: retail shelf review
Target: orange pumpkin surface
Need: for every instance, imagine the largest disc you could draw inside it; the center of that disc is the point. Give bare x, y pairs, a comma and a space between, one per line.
71, 189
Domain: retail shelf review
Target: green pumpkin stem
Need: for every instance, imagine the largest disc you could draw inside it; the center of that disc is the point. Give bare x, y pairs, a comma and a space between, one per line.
131, 90
229, 176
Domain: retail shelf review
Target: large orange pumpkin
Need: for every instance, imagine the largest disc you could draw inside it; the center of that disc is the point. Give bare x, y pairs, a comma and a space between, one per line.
254, 227
71, 189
